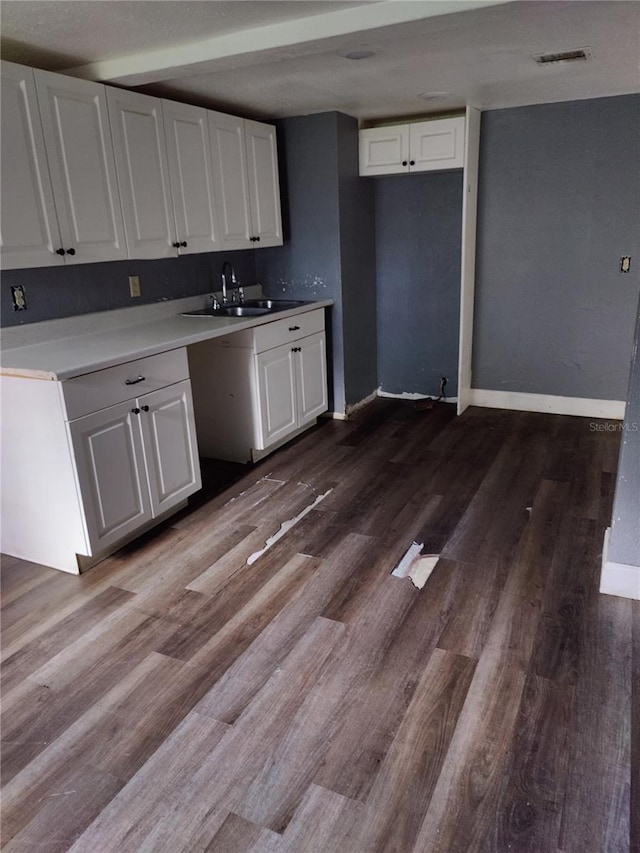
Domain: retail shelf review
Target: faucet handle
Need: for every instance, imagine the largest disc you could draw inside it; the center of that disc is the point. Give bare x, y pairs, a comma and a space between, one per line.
214, 302
240, 294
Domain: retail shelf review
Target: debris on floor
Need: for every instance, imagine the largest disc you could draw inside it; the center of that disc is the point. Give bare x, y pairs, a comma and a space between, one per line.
285, 527
415, 565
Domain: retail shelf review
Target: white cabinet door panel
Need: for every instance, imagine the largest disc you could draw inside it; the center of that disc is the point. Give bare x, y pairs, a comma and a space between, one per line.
189, 156
143, 178
264, 184
437, 144
230, 179
170, 445
78, 141
30, 235
277, 394
311, 376
384, 150
111, 473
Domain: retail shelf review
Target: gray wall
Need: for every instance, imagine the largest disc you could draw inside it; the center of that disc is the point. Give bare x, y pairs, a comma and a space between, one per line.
418, 241
357, 266
559, 204
80, 289
624, 545
328, 248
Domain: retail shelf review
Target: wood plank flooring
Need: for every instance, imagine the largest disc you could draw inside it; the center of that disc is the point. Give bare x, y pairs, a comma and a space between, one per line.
175, 698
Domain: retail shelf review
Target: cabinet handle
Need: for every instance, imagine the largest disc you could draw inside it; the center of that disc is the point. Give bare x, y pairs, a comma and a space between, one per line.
71, 251
134, 381
296, 349
294, 328
60, 252
136, 411
145, 408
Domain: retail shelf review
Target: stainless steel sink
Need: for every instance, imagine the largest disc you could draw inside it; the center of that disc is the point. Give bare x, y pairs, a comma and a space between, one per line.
250, 308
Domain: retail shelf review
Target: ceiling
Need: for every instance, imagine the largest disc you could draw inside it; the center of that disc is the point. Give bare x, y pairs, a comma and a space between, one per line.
274, 59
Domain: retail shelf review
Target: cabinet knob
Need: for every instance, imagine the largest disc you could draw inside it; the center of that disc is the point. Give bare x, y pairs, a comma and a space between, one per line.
412, 162
404, 162
71, 251
176, 245
296, 349
145, 408
60, 252
257, 239
136, 411
252, 239
183, 244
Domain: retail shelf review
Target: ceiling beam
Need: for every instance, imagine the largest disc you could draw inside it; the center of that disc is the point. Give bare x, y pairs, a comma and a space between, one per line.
238, 48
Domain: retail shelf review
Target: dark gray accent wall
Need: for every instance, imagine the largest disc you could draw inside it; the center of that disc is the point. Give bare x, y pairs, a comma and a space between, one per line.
418, 242
559, 204
624, 544
358, 267
83, 288
328, 247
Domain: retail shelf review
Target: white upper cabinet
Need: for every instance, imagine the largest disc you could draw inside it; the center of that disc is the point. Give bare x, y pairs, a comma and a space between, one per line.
264, 184
141, 164
246, 177
29, 226
423, 146
230, 177
78, 142
189, 156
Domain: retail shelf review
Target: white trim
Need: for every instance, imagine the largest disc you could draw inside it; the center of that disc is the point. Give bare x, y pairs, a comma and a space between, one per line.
410, 395
468, 253
352, 408
579, 406
619, 579
336, 416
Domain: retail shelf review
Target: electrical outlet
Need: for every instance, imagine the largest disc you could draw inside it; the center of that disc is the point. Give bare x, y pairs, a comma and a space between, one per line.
134, 285
18, 298
625, 263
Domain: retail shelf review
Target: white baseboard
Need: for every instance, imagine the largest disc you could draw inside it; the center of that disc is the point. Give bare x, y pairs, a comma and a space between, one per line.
579, 406
618, 578
352, 408
410, 395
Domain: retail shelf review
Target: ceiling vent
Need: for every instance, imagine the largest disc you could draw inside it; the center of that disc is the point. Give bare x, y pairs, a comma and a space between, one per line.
580, 54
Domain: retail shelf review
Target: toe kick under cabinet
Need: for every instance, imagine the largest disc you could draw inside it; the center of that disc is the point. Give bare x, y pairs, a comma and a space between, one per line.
258, 388
90, 462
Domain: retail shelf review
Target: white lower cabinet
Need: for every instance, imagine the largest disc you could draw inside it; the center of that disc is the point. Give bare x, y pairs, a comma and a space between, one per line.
89, 480
257, 388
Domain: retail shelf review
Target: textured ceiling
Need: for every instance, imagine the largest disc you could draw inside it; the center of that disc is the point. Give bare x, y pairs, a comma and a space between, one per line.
195, 51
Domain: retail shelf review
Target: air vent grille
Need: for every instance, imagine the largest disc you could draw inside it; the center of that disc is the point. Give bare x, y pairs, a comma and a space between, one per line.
580, 54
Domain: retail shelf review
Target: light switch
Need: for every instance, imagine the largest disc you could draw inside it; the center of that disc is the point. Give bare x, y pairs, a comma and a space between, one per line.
625, 263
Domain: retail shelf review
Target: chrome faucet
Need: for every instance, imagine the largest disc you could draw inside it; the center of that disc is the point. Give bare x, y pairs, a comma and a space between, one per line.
227, 269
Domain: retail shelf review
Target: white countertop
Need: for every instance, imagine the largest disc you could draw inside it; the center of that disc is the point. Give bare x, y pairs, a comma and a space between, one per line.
57, 358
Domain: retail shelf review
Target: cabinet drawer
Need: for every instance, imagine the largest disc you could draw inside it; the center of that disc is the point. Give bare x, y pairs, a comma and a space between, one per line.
282, 331
94, 391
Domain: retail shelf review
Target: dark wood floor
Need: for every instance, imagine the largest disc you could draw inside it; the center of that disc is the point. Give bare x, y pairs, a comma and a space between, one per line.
176, 699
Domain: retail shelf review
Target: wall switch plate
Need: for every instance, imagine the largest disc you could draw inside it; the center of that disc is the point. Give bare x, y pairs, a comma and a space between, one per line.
18, 298
625, 263
134, 285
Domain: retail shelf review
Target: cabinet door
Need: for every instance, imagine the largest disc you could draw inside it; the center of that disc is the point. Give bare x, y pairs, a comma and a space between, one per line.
189, 156
230, 180
141, 165
30, 233
277, 394
384, 150
80, 154
110, 467
264, 184
170, 446
311, 378
437, 144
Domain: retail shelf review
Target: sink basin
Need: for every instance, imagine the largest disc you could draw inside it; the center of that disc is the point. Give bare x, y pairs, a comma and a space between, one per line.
250, 308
